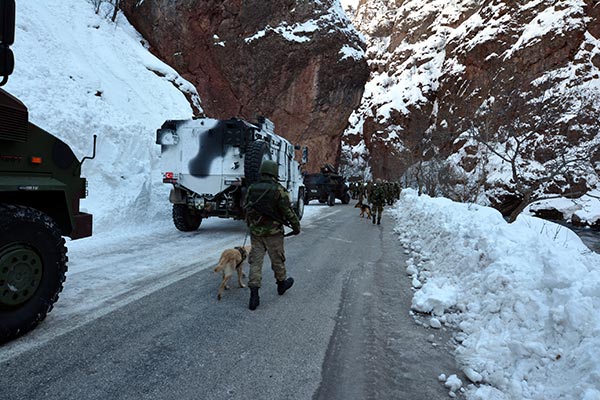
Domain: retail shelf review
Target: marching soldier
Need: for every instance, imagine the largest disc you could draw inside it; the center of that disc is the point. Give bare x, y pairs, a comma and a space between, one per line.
377, 199
268, 209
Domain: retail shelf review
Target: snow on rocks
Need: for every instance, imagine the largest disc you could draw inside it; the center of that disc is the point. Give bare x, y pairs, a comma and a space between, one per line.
435, 323
473, 375
524, 297
431, 298
453, 383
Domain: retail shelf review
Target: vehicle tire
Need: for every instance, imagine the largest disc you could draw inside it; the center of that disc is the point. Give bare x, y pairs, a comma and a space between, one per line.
346, 198
299, 209
185, 219
331, 199
33, 263
256, 153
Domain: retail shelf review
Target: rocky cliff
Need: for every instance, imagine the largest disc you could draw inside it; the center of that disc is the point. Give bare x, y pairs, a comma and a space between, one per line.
498, 100
299, 63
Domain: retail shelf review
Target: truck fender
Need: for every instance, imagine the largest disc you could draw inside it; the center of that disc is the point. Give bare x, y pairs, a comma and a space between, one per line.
177, 196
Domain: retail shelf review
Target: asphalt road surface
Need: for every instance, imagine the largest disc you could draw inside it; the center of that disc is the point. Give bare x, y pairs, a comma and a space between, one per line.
342, 332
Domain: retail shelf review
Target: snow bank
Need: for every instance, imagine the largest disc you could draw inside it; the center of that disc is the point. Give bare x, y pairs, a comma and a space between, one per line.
524, 297
80, 74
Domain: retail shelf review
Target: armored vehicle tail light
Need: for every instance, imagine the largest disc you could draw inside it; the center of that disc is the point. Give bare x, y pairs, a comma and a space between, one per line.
36, 160
84, 188
169, 177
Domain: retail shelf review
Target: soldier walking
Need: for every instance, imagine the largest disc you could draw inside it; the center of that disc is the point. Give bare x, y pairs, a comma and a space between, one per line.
377, 199
369, 191
268, 209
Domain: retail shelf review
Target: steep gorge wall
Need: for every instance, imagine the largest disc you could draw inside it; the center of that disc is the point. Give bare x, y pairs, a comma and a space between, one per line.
524, 72
298, 63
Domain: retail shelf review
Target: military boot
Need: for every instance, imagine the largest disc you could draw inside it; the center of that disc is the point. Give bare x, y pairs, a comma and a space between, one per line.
379, 221
254, 299
282, 286
373, 218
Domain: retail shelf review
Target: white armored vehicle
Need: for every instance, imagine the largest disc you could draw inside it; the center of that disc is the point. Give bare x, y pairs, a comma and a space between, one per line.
211, 163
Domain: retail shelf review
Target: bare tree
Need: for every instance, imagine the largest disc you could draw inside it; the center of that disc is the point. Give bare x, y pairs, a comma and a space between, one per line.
514, 136
116, 6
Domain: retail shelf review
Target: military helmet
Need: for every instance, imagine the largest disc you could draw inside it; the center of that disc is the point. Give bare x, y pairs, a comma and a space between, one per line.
269, 167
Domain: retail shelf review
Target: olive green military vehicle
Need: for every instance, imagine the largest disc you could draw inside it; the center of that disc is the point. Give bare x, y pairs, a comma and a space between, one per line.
40, 189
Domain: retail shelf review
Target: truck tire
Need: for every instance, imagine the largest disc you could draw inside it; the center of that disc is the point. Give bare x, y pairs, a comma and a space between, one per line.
255, 154
331, 199
33, 263
346, 198
184, 219
299, 209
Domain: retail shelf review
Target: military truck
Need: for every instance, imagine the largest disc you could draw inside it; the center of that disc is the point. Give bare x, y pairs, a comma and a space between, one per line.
326, 186
211, 163
40, 189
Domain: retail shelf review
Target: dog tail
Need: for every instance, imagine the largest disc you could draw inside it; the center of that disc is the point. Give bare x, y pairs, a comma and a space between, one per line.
219, 267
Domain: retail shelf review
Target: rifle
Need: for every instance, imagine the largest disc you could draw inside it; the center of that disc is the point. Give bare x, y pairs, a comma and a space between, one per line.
269, 214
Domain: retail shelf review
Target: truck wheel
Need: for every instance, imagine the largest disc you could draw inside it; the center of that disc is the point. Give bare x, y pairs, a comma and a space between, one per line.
184, 219
346, 198
331, 199
33, 263
300, 204
256, 153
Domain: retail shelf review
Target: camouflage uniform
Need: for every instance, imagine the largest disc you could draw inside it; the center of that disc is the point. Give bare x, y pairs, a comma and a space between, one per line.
397, 190
360, 192
268, 208
377, 199
389, 193
369, 191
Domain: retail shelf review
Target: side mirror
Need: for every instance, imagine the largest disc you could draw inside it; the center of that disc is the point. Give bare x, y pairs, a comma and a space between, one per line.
7, 37
7, 22
304, 155
7, 61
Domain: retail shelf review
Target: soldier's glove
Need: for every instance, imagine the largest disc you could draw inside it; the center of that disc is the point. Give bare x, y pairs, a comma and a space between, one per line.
292, 233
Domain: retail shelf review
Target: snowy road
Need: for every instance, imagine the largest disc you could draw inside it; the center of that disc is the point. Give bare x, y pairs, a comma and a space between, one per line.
111, 269
152, 328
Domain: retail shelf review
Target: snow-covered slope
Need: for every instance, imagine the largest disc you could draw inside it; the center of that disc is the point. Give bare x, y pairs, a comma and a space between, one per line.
508, 74
80, 75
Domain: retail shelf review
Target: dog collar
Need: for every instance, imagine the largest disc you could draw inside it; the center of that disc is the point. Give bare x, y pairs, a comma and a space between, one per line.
243, 252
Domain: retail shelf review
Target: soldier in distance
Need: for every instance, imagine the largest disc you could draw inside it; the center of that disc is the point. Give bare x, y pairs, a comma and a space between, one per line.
377, 198
268, 209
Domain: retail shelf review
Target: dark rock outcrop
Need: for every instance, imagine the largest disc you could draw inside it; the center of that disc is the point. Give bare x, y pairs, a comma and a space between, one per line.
300, 64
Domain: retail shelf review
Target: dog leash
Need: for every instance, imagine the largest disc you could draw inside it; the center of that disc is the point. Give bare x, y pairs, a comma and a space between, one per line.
245, 238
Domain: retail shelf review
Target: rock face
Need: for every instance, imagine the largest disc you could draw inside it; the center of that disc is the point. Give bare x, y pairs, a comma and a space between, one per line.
298, 63
501, 97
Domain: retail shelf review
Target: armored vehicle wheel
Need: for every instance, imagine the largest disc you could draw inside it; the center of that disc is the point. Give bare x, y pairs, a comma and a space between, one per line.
33, 263
331, 199
184, 219
300, 205
255, 154
346, 198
